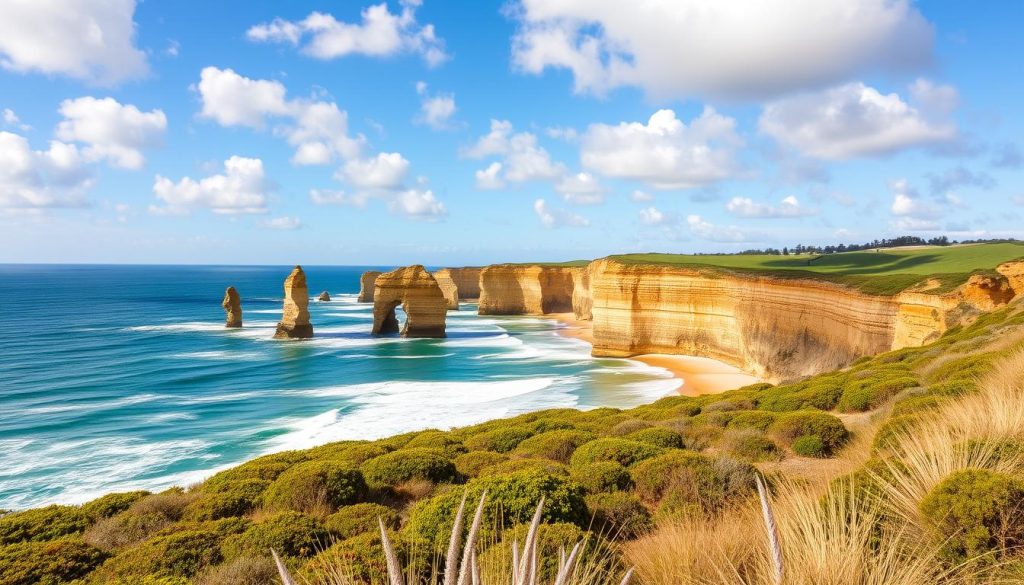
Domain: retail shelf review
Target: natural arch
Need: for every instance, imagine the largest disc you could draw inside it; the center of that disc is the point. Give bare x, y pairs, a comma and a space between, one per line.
419, 295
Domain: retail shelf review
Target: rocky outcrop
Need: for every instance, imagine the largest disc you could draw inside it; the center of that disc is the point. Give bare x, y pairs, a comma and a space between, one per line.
420, 297
466, 279
1014, 273
448, 288
232, 305
324, 297
527, 289
295, 317
366, 286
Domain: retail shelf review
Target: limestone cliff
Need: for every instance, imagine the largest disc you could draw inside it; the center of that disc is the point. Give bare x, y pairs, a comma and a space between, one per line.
366, 286
466, 279
448, 288
295, 317
527, 289
419, 295
232, 305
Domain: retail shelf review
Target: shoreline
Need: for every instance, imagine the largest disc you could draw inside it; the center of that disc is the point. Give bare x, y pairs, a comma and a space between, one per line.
699, 375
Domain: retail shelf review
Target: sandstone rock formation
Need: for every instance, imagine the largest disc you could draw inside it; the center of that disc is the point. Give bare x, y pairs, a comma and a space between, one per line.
466, 279
295, 319
366, 286
420, 296
448, 288
1014, 273
232, 305
526, 289
324, 297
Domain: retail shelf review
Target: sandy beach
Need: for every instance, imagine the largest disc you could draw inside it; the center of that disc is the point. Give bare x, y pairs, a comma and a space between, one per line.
700, 375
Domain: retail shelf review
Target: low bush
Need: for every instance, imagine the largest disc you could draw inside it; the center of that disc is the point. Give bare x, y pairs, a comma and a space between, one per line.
533, 463
500, 440
236, 499
622, 451
47, 563
750, 445
440, 440
655, 476
752, 419
408, 464
557, 445
359, 518
289, 533
870, 393
976, 512
110, 504
256, 570
619, 515
183, 553
124, 529
820, 392
41, 524
628, 426
170, 504
472, 463
314, 485
826, 427
603, 476
809, 446
266, 468
658, 436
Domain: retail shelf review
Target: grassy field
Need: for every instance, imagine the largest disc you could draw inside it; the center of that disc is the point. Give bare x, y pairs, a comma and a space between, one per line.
884, 272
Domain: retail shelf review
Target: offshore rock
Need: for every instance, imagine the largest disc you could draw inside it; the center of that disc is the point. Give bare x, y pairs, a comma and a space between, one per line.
366, 286
232, 305
295, 319
466, 279
324, 297
448, 288
419, 295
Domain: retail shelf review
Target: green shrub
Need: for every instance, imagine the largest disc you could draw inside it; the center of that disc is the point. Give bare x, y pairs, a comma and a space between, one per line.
407, 464
289, 533
557, 445
258, 570
126, 528
110, 504
628, 426
893, 428
750, 445
472, 463
658, 436
236, 499
41, 524
809, 446
47, 563
915, 403
619, 515
870, 393
976, 512
622, 451
440, 440
517, 465
359, 518
752, 419
356, 455
266, 468
183, 553
603, 476
511, 499
654, 476
794, 425
820, 392
501, 440
312, 485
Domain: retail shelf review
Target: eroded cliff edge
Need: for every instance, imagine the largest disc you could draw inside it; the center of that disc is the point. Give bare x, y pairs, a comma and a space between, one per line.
772, 326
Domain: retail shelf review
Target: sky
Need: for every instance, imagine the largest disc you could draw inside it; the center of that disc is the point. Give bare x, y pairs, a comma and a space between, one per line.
471, 132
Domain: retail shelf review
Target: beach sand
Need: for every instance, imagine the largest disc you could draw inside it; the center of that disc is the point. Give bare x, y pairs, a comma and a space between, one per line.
700, 375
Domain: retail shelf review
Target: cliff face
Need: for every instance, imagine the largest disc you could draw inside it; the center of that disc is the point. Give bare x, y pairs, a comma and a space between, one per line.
448, 288
467, 281
366, 281
419, 295
513, 289
295, 317
232, 305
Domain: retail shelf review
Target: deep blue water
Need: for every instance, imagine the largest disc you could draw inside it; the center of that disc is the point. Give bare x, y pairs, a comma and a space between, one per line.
123, 377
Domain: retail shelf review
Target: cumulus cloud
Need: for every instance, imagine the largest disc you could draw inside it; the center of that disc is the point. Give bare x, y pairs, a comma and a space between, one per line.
387, 170
641, 196
551, 218
381, 33
715, 233
242, 188
333, 197
283, 223
665, 152
654, 216
318, 130
760, 48
910, 210
90, 40
418, 204
33, 179
581, 188
747, 207
110, 130
436, 110
523, 159
489, 178
855, 120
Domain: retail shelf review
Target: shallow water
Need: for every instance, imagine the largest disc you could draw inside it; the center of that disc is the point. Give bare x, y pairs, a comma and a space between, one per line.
123, 377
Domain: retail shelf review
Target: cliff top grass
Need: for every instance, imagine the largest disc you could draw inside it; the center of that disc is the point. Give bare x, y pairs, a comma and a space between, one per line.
887, 271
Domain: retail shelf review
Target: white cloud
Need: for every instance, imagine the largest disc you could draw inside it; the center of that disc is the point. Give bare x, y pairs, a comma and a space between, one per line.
380, 34
641, 196
387, 170
241, 188
90, 40
747, 207
436, 110
317, 129
852, 120
911, 211
488, 178
664, 152
551, 218
418, 204
524, 160
709, 48
654, 216
32, 179
715, 233
283, 223
332, 197
581, 188
110, 130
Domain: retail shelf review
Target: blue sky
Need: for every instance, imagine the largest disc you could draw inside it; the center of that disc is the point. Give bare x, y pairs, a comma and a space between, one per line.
475, 132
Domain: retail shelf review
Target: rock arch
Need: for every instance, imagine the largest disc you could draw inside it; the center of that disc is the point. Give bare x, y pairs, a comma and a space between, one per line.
417, 292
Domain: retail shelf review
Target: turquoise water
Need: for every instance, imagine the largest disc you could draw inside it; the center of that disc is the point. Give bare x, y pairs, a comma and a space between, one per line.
123, 377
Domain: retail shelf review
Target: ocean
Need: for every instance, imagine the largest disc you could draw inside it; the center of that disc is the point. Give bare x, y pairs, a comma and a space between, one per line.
116, 378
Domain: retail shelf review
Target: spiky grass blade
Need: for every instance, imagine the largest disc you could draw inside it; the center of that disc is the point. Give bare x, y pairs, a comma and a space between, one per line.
474, 531
774, 546
527, 559
452, 560
394, 567
286, 577
567, 565
627, 577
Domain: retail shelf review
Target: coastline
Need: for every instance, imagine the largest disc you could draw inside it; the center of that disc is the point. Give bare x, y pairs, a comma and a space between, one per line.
700, 375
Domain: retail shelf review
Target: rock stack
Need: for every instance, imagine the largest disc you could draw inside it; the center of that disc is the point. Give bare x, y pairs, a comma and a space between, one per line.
324, 297
366, 286
295, 318
420, 296
448, 288
232, 305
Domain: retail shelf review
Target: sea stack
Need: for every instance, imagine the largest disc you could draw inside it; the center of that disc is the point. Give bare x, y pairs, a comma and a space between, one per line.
232, 305
324, 297
366, 286
448, 288
295, 318
419, 295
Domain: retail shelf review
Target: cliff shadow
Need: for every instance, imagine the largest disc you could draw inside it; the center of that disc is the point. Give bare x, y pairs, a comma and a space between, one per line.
556, 292
860, 263
385, 321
